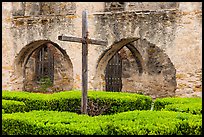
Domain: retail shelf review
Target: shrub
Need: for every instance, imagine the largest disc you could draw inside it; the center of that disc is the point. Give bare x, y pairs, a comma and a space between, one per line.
66, 101
116, 102
12, 106
189, 105
99, 102
193, 108
125, 123
45, 82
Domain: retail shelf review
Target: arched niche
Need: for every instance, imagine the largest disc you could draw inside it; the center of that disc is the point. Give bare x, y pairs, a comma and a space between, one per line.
25, 67
153, 74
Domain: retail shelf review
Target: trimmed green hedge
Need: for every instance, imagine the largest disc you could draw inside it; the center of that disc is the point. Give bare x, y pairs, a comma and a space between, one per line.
125, 123
99, 102
193, 108
12, 106
189, 105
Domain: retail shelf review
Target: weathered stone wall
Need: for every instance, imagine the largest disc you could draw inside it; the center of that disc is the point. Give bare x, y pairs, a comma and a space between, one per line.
173, 27
7, 42
186, 49
177, 31
151, 26
151, 6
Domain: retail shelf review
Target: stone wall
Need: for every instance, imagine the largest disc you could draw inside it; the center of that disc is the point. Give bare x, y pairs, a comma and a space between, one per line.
186, 49
151, 6
7, 42
173, 27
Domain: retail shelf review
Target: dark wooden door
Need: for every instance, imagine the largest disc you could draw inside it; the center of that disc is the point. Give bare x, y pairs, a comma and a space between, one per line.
113, 74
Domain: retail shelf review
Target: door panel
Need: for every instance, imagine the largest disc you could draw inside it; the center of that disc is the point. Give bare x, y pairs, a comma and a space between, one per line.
113, 74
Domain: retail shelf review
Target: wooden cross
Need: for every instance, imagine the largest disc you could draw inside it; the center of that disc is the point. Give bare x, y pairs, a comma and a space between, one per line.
85, 41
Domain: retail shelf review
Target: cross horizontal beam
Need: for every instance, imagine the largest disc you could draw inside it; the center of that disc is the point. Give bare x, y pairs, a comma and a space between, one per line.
79, 40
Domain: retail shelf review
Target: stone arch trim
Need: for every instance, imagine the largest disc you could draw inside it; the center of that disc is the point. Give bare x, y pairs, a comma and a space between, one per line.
25, 53
107, 55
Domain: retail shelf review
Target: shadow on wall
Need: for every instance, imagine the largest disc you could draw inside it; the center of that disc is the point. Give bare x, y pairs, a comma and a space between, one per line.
146, 69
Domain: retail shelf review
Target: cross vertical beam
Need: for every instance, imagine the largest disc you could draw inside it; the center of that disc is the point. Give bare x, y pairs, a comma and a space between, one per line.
85, 41
84, 62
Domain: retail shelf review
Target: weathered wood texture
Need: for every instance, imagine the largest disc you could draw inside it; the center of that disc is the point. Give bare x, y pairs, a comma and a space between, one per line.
84, 62
114, 73
76, 39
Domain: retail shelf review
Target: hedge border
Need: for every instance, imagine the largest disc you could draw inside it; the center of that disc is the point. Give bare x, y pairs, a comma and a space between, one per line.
12, 106
104, 102
188, 105
144, 122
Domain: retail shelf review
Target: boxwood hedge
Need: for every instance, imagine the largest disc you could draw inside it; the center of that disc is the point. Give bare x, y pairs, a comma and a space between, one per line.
99, 102
189, 105
125, 123
12, 106
193, 108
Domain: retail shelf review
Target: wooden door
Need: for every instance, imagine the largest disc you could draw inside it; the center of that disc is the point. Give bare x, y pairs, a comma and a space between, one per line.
113, 74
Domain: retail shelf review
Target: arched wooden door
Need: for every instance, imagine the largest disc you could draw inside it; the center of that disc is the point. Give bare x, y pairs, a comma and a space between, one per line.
113, 74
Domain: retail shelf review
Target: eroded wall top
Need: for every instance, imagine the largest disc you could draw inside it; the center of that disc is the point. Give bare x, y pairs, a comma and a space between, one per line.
43, 8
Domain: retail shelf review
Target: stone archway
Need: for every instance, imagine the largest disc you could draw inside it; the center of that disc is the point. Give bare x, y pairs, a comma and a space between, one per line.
154, 74
126, 60
25, 63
